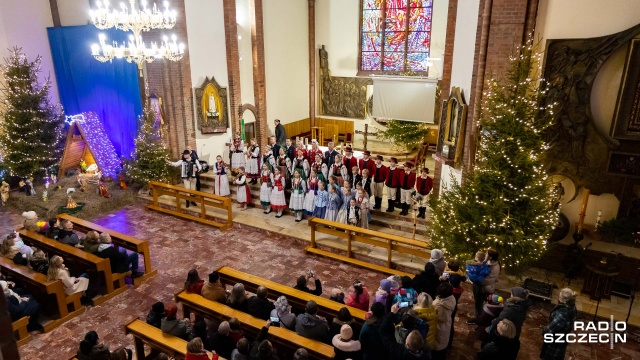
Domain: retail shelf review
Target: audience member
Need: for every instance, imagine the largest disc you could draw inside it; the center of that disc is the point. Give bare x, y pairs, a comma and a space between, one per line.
119, 259
345, 347
344, 318
406, 292
408, 323
30, 221
301, 354
72, 285
121, 353
503, 343
561, 321
193, 284
312, 326
238, 298
437, 259
262, 348
53, 230
484, 275
337, 295
428, 327
221, 341
21, 305
370, 340
90, 349
515, 309
454, 275
156, 314
199, 330
358, 296
39, 262
258, 305
490, 311
91, 242
301, 284
427, 280
9, 248
382, 295
196, 351
282, 312
444, 304
235, 331
213, 289
172, 326
241, 352
413, 348
66, 234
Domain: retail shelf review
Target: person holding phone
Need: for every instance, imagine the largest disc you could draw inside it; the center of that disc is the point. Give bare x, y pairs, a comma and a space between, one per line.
282, 315
301, 283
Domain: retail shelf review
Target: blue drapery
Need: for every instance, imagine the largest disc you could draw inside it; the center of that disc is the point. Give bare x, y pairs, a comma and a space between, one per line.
85, 84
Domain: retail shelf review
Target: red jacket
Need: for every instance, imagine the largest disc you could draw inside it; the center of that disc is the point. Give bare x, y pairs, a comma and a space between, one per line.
407, 181
424, 186
369, 164
382, 173
190, 356
393, 177
311, 155
350, 163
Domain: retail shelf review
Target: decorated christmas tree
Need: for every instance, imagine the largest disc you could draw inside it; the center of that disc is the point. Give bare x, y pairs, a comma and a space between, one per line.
506, 203
31, 128
147, 161
409, 134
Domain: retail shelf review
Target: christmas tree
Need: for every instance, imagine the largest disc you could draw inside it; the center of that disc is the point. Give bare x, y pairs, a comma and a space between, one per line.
147, 161
507, 201
404, 133
31, 128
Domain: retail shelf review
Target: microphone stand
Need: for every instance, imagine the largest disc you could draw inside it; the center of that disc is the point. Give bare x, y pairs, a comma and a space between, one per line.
633, 294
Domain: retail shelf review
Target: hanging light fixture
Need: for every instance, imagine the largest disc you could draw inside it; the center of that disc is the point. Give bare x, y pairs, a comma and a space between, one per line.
135, 19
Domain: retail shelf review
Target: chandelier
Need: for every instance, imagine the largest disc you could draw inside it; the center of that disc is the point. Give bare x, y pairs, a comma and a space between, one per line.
135, 19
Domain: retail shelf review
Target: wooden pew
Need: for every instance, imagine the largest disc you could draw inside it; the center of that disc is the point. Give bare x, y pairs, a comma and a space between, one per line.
84, 259
144, 333
20, 330
120, 240
52, 291
296, 298
286, 341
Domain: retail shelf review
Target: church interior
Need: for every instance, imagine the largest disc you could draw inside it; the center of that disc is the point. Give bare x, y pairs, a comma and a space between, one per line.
457, 179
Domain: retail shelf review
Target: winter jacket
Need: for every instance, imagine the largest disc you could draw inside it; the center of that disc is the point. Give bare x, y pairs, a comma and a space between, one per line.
359, 302
235, 355
477, 271
41, 266
561, 321
454, 278
175, 327
117, 259
98, 352
444, 309
398, 351
317, 291
428, 283
371, 342
190, 356
155, 318
440, 264
287, 321
515, 309
259, 307
346, 349
336, 325
429, 326
195, 288
500, 348
489, 312
262, 335
406, 295
381, 297
312, 327
68, 237
240, 306
489, 282
222, 344
214, 292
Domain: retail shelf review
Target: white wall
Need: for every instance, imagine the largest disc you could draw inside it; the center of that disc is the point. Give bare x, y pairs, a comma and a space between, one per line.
76, 12
29, 34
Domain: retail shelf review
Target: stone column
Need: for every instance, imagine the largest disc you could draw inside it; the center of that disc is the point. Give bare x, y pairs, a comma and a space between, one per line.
312, 62
233, 62
259, 82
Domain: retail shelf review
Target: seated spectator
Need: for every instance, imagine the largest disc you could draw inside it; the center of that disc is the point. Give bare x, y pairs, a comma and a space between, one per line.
21, 305
72, 285
90, 349
156, 314
370, 340
444, 304
66, 234
241, 352
121, 353
221, 342
53, 230
301, 284
258, 305
119, 260
193, 284
172, 326
282, 311
199, 330
406, 292
345, 347
262, 349
503, 343
344, 318
39, 262
337, 295
359, 297
301, 354
91, 242
238, 298
236, 331
427, 280
30, 221
213, 289
312, 326
427, 313
383, 292
437, 259
196, 351
412, 349
9, 248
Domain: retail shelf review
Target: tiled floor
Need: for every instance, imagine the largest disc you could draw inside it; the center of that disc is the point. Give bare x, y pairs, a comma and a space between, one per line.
178, 245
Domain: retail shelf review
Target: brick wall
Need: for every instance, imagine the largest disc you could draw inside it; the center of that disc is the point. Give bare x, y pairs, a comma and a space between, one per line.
233, 62
259, 81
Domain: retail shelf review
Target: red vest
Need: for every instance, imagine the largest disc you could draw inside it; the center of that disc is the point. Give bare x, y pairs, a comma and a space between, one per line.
392, 177
379, 174
350, 163
407, 181
369, 164
424, 186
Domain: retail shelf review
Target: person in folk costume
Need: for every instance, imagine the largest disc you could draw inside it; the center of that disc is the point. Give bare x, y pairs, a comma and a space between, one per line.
311, 154
333, 182
355, 176
275, 148
356, 193
424, 184
346, 195
339, 170
265, 188
366, 162
300, 163
284, 164
301, 147
330, 155
194, 157
407, 182
221, 186
289, 150
312, 192
365, 181
253, 162
4, 192
392, 183
278, 202
379, 175
353, 213
243, 193
298, 190
188, 170
349, 160
320, 205
362, 199
333, 203
268, 158
321, 168
236, 149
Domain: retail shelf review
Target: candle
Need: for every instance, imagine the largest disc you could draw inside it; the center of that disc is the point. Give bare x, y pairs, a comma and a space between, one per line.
598, 219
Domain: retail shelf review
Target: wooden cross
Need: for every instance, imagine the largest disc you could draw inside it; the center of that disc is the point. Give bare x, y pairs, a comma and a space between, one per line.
366, 133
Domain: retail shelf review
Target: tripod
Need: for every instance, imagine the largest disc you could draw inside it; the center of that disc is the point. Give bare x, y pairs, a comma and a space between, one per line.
633, 294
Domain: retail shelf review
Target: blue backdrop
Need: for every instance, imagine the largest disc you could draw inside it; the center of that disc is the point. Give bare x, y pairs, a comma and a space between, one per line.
85, 84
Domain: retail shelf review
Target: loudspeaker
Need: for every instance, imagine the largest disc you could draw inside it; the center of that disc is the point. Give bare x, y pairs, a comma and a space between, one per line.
539, 289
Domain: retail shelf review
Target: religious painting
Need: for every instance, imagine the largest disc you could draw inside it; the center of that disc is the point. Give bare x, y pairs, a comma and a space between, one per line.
211, 107
452, 125
624, 164
626, 123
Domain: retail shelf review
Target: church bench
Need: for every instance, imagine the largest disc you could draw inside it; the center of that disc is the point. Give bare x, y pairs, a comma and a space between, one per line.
352, 234
201, 199
158, 341
20, 330
83, 259
297, 299
119, 240
50, 294
286, 341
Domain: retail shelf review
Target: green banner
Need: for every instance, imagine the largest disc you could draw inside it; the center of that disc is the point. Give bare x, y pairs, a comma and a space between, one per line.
242, 130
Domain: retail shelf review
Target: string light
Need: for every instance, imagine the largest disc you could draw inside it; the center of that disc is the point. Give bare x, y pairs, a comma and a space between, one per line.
101, 147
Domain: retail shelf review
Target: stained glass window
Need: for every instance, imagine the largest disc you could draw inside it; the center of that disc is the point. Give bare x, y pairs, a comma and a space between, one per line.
395, 35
